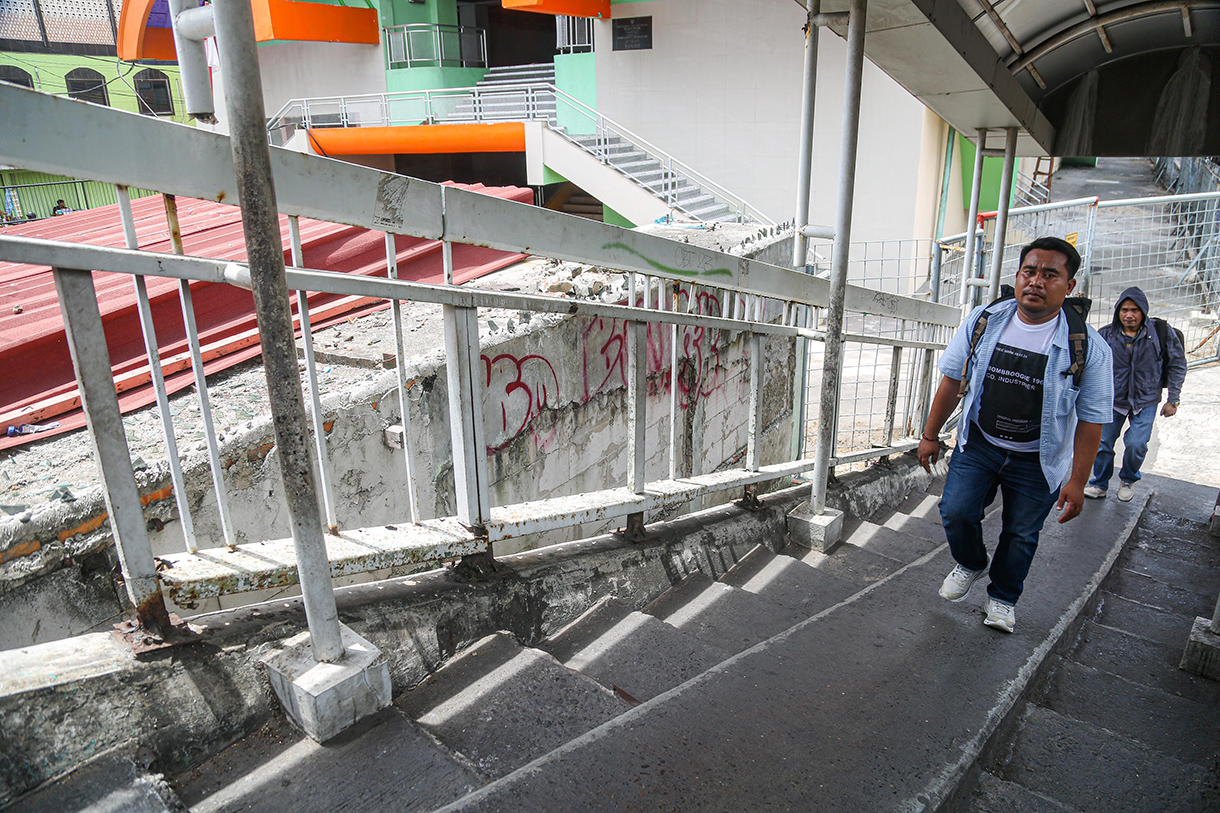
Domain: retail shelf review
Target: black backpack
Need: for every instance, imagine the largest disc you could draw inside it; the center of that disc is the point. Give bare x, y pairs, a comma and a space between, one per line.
1162, 332
1076, 308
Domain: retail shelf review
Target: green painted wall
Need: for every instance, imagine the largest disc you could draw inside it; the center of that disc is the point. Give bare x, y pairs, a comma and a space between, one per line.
48, 72
993, 168
400, 79
615, 219
576, 75
401, 12
23, 191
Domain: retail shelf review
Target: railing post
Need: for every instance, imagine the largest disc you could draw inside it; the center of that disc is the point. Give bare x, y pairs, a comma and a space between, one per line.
1086, 256
91, 360
754, 425
832, 361
800, 243
464, 371
972, 219
1001, 220
260, 222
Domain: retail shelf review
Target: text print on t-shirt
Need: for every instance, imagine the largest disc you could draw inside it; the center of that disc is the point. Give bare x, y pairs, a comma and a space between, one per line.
1010, 408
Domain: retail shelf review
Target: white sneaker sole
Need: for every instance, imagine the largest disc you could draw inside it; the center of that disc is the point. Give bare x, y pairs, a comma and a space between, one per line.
998, 624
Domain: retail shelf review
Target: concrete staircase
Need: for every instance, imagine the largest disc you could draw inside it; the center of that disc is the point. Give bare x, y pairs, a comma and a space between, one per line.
1114, 724
780, 678
496, 100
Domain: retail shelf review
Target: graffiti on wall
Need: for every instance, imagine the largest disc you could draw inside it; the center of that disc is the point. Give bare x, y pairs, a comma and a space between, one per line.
517, 391
700, 369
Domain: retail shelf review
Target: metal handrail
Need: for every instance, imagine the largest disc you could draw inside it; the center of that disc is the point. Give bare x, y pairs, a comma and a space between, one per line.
398, 47
534, 95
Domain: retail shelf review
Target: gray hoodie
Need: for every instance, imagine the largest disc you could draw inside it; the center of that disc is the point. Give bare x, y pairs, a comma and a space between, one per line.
1137, 370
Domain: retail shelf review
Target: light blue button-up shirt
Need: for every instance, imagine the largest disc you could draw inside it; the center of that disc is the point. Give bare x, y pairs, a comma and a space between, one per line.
1062, 401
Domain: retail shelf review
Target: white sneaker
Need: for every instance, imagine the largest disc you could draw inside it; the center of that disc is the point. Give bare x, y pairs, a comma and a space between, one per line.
1000, 616
959, 581
1126, 491
1097, 493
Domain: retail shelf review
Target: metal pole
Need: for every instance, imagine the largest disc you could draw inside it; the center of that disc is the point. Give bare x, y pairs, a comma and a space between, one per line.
833, 359
311, 380
144, 308
1001, 220
91, 360
972, 219
804, 158
260, 222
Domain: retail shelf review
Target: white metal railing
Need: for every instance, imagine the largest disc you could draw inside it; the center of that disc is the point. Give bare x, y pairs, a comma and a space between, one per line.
1030, 192
764, 301
433, 45
673, 181
573, 35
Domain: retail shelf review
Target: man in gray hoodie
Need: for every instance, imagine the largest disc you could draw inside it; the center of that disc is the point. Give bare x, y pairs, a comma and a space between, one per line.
1142, 355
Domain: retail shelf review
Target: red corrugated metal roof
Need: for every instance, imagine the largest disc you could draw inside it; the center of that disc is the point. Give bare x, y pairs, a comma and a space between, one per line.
38, 385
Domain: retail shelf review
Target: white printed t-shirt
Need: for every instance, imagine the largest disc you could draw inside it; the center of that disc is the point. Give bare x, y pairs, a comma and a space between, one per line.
1009, 410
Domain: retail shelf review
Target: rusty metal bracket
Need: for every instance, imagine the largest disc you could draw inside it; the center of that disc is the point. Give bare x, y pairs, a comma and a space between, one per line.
476, 567
143, 641
749, 498
635, 527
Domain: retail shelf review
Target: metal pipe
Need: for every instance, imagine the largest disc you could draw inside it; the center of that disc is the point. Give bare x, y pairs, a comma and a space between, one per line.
804, 166
144, 308
311, 379
637, 404
673, 386
256, 192
972, 219
404, 404
1001, 220
191, 23
201, 384
91, 360
833, 359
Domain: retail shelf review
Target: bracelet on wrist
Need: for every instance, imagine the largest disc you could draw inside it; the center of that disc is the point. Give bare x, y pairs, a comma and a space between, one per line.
932, 440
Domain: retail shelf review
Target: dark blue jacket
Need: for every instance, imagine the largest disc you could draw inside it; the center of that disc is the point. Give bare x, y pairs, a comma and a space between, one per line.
1137, 371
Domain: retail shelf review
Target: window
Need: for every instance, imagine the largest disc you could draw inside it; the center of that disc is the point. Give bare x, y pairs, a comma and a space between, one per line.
87, 85
152, 88
15, 76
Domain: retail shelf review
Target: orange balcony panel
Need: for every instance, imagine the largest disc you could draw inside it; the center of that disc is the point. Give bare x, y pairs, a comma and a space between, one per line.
424, 138
572, 8
290, 20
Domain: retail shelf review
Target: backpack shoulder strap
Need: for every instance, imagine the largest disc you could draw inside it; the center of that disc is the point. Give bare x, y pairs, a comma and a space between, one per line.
1075, 308
976, 333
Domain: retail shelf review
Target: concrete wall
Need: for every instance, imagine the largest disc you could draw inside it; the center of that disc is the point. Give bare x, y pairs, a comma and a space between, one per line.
292, 70
555, 418
721, 90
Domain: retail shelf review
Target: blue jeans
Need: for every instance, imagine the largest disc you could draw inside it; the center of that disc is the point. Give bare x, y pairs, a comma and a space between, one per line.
1135, 441
976, 472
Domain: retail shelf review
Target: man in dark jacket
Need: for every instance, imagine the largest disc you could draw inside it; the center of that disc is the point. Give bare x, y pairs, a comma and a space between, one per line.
1135, 345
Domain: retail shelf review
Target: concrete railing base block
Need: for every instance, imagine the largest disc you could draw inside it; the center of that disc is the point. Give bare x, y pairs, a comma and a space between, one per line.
1202, 655
820, 532
323, 699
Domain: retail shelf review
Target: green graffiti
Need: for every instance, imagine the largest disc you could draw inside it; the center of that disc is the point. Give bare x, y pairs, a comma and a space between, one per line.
682, 272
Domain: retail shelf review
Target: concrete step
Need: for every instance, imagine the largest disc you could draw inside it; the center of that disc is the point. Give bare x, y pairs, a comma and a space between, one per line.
631, 651
903, 545
787, 581
502, 705
1088, 767
850, 564
994, 795
115, 782
721, 615
1141, 660
382, 763
1184, 729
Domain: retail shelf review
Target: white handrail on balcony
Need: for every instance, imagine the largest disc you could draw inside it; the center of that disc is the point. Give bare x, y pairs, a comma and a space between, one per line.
427, 43
536, 101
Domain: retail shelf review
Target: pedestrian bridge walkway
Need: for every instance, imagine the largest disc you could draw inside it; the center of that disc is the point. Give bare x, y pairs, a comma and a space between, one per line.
717, 668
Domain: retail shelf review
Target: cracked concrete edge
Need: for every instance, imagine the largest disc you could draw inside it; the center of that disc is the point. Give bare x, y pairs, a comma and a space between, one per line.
950, 788
64, 702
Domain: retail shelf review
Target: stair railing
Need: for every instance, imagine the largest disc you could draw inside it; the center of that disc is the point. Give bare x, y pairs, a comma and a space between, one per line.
571, 118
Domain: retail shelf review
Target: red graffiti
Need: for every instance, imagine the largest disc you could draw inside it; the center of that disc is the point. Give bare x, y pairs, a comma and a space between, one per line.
700, 369
517, 390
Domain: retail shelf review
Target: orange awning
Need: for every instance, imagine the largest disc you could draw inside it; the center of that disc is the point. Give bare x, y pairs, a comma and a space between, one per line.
293, 20
423, 138
572, 8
